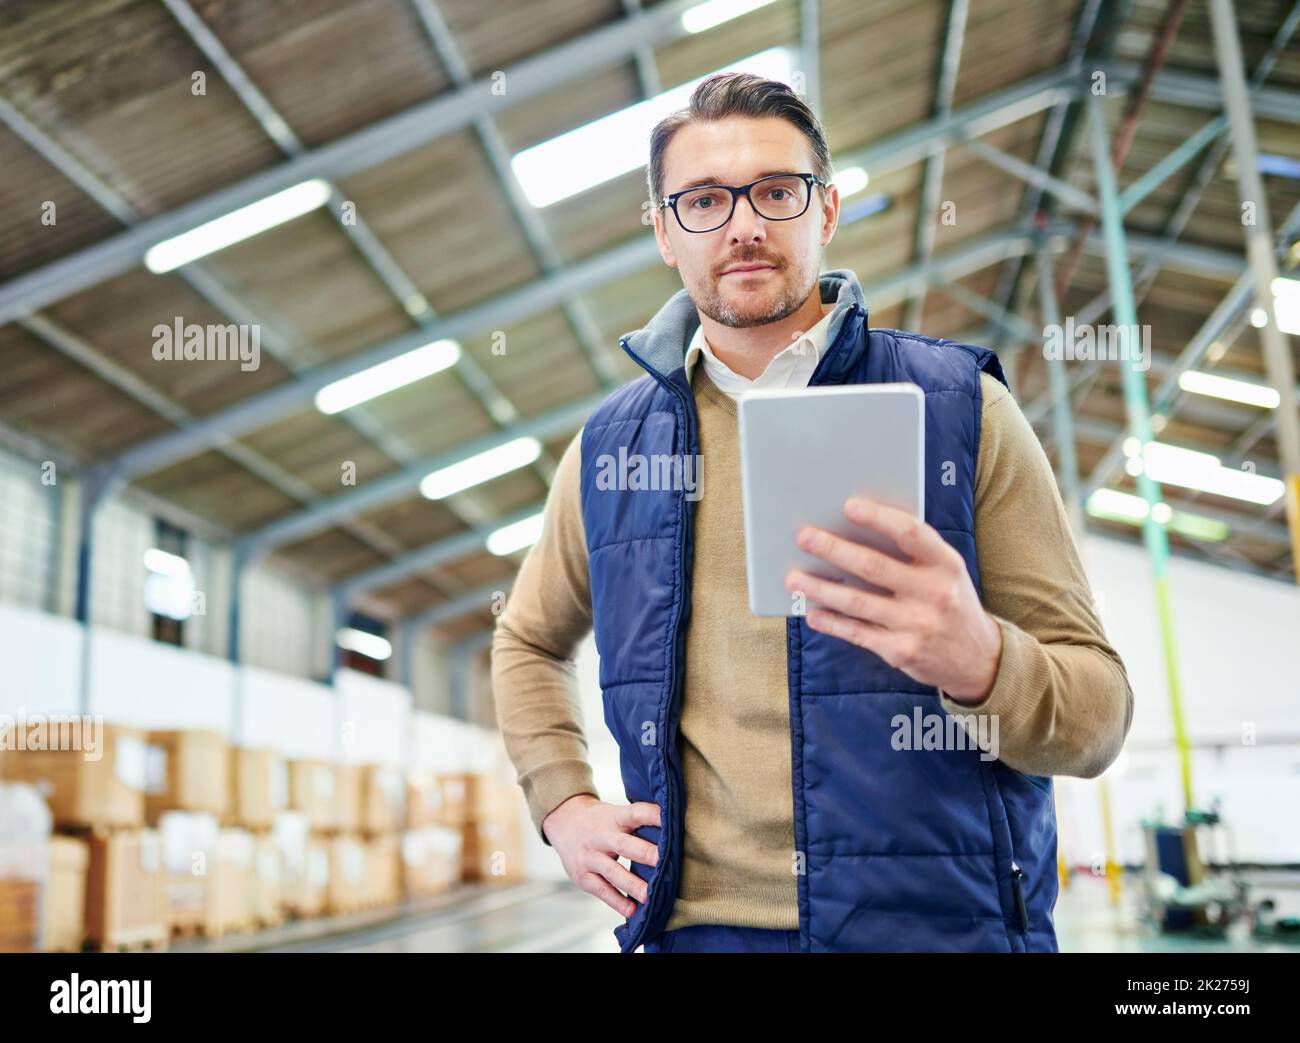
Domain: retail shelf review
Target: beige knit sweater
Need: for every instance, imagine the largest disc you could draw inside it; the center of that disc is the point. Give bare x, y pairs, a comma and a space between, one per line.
1062, 695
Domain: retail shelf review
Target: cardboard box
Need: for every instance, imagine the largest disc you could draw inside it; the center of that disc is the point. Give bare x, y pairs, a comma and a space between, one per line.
232, 892
95, 778
24, 865
475, 797
65, 895
492, 851
496, 798
20, 914
304, 865
382, 800
350, 797
125, 904
259, 788
347, 875
190, 862
315, 891
186, 771
431, 859
423, 800
457, 791
268, 875
313, 789
384, 869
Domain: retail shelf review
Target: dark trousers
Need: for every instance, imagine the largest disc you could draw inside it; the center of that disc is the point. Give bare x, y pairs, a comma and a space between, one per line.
722, 938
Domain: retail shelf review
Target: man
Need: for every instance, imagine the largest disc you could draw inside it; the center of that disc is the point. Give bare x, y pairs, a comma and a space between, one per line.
782, 797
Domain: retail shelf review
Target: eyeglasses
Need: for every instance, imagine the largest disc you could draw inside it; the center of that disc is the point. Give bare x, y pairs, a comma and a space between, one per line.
779, 197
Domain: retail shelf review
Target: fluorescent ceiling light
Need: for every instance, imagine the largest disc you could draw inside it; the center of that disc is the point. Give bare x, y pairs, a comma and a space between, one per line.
387, 376
480, 468
1127, 509
850, 180
1196, 527
1227, 388
372, 646
237, 225
517, 536
616, 144
1172, 465
715, 12
867, 206
1111, 503
1279, 166
1286, 305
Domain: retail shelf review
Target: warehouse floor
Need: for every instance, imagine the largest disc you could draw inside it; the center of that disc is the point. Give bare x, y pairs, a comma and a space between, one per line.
556, 917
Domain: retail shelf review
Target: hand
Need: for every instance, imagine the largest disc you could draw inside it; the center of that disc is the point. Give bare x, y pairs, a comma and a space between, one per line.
589, 836
929, 623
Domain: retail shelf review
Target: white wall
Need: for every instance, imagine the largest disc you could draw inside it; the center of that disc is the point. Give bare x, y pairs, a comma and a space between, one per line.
146, 684
1236, 635
41, 657
291, 715
375, 719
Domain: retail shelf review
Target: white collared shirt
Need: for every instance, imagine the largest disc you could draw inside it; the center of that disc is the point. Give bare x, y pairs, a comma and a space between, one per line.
792, 367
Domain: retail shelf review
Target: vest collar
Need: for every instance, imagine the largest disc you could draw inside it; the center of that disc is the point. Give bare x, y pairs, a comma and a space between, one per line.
660, 346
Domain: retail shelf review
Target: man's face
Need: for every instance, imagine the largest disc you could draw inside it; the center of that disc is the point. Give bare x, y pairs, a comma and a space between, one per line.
735, 152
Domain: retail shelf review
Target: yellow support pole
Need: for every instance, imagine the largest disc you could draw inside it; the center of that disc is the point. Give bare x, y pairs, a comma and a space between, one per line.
1175, 690
1114, 875
1293, 519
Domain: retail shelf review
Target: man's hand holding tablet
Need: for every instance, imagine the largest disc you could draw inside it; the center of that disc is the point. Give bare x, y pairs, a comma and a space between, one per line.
930, 624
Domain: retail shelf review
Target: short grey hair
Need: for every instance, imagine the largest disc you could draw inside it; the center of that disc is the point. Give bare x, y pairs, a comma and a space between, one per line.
727, 94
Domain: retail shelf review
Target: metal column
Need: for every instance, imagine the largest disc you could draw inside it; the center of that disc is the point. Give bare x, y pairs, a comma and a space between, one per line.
1259, 250
1062, 420
1139, 417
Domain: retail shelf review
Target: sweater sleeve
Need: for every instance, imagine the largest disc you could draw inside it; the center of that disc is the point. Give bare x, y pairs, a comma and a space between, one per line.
536, 637
1061, 696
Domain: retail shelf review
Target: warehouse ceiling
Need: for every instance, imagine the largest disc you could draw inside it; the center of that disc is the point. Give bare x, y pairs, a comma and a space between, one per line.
133, 120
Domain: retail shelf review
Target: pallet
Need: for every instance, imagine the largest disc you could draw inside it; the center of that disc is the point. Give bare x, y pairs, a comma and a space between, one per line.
195, 929
210, 929
154, 942
99, 830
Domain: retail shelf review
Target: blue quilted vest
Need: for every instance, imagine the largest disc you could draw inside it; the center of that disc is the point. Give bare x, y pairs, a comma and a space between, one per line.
923, 850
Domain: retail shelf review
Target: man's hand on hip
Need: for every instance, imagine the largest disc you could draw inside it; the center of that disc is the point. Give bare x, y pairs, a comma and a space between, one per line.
590, 835
929, 623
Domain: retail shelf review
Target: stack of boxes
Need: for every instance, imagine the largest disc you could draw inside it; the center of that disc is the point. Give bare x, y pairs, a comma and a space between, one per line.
215, 807
259, 793
65, 895
349, 858
363, 847
207, 867
24, 866
488, 811
152, 833
304, 836
431, 845
382, 811
92, 779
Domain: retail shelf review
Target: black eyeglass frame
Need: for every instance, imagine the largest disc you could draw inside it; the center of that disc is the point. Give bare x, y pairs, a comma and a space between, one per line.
742, 190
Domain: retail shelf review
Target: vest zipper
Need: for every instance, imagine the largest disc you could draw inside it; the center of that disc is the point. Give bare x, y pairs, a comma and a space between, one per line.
1017, 874
670, 773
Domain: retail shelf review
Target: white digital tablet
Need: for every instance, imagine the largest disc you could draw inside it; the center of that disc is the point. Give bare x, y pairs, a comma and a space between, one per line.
803, 452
